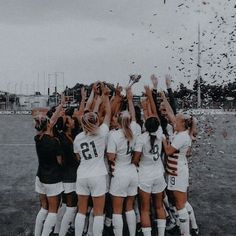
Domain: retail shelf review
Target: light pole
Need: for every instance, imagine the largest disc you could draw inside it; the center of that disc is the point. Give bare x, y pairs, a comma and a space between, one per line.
199, 69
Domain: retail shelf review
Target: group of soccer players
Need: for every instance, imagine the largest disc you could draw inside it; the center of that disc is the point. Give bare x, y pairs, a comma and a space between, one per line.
110, 160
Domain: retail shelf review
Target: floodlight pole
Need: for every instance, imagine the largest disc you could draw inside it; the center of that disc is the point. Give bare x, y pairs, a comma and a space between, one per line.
199, 69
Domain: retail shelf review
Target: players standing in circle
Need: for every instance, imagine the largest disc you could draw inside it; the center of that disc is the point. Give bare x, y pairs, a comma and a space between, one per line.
89, 147
125, 179
49, 175
147, 157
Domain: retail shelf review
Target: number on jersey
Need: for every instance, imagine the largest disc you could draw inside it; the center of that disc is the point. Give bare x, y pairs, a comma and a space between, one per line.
129, 148
87, 148
155, 151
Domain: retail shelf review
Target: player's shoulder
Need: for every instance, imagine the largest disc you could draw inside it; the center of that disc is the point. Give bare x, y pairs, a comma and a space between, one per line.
79, 136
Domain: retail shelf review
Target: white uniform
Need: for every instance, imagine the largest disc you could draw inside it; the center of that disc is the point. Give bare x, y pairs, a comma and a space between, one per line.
177, 166
91, 173
151, 170
125, 178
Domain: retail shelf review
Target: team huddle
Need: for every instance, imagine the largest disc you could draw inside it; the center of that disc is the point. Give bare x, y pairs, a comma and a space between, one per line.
111, 163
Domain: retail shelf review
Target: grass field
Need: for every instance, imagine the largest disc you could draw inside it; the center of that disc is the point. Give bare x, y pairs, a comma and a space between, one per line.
212, 175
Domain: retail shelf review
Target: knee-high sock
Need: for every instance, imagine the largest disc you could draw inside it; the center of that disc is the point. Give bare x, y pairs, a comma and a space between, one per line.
42, 214
117, 222
67, 220
191, 215
49, 224
161, 225
147, 231
184, 222
131, 221
98, 224
60, 215
79, 224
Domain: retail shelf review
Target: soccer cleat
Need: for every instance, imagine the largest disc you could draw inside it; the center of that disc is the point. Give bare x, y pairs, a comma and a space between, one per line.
195, 232
170, 223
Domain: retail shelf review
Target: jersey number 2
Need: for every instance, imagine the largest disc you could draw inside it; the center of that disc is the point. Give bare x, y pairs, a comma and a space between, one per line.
85, 150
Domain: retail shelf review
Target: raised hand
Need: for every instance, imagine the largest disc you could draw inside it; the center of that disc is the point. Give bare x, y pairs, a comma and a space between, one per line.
83, 93
148, 91
154, 80
168, 80
129, 94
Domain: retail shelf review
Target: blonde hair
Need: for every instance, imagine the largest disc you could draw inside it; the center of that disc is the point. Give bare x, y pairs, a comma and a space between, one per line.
90, 122
124, 121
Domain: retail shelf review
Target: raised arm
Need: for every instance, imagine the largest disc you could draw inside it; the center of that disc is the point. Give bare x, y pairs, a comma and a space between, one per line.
150, 98
169, 110
91, 97
130, 103
57, 113
106, 91
170, 93
144, 105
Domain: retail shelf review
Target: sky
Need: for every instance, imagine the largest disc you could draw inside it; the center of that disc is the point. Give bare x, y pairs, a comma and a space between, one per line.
107, 40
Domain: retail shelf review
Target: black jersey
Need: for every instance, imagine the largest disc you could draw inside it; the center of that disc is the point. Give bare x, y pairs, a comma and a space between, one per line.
48, 148
70, 164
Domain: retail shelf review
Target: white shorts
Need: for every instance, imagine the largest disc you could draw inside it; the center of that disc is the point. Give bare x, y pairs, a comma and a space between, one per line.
153, 185
48, 189
69, 187
178, 183
94, 186
124, 185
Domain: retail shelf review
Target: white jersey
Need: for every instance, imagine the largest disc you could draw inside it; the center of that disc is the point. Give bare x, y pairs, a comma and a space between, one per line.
91, 149
176, 164
119, 145
150, 165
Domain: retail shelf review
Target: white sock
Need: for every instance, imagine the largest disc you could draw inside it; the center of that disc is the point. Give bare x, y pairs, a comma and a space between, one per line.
90, 223
67, 220
184, 222
191, 215
98, 224
117, 221
60, 214
42, 214
161, 225
147, 231
79, 224
131, 221
49, 223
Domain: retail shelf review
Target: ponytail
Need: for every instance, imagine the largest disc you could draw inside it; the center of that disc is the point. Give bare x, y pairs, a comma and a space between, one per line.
124, 121
152, 141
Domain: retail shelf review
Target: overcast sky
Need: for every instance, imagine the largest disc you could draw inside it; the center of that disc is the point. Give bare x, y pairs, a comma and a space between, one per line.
108, 40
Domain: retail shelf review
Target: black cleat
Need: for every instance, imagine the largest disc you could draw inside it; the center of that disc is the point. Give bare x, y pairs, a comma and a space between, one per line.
195, 232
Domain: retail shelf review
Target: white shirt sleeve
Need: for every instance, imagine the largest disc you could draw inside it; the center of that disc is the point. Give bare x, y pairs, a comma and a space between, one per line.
104, 129
178, 141
76, 146
111, 145
139, 144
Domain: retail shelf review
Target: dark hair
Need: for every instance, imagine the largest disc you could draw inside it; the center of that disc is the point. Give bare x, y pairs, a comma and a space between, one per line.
69, 111
58, 127
152, 125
